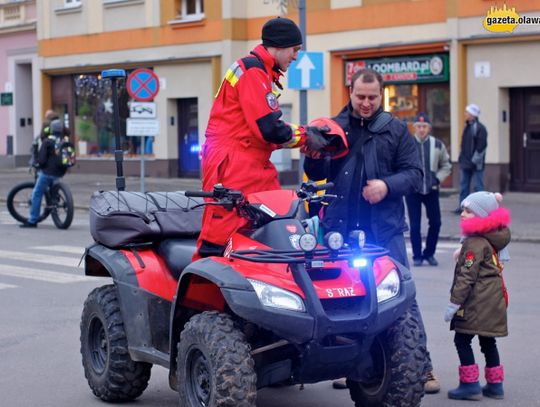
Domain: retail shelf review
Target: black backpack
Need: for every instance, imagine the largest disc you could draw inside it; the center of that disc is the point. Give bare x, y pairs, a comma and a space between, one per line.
63, 148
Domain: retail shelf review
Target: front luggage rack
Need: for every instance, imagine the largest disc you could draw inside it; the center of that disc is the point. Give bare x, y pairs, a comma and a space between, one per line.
299, 256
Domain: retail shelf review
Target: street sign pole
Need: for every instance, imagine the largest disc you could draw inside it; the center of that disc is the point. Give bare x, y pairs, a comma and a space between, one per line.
143, 151
143, 86
303, 92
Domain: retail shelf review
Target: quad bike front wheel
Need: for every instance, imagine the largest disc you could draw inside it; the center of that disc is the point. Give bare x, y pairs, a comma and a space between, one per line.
215, 367
398, 376
111, 373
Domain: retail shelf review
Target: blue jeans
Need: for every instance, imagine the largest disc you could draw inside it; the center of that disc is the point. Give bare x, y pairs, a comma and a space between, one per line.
465, 183
43, 183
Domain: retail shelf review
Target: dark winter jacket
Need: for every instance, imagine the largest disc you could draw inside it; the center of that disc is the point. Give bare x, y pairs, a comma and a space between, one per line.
386, 152
48, 160
478, 284
473, 146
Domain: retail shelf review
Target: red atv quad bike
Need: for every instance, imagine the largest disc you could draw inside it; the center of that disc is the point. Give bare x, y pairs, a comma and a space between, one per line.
277, 307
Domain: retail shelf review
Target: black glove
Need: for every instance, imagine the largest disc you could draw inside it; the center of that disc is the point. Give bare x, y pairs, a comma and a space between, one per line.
315, 139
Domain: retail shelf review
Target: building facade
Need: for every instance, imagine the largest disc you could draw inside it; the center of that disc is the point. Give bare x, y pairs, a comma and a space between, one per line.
436, 56
19, 81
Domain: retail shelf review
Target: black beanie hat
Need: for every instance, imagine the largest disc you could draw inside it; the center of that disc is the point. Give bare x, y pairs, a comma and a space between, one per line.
281, 32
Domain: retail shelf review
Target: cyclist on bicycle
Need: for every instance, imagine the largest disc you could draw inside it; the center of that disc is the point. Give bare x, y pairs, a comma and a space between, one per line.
50, 168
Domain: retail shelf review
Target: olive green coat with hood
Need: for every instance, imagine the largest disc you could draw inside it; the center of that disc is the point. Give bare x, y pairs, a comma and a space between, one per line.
478, 284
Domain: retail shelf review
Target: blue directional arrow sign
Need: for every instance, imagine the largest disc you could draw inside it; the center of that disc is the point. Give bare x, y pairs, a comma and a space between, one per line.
307, 71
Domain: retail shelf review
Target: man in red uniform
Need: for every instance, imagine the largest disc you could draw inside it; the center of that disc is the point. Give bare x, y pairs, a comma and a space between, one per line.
245, 127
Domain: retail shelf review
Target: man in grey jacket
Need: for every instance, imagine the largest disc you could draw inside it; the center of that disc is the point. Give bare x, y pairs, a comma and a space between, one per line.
436, 165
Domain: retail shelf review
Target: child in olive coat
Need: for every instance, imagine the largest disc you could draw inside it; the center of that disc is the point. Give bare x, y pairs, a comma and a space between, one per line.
478, 298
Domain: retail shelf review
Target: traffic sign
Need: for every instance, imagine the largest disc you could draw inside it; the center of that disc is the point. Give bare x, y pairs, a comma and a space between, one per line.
142, 85
142, 110
307, 71
142, 127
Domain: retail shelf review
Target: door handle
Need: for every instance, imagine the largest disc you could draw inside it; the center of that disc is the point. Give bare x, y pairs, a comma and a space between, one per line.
525, 140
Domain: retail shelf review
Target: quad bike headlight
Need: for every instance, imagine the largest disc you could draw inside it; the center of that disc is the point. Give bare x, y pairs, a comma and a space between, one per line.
333, 240
307, 242
389, 287
272, 296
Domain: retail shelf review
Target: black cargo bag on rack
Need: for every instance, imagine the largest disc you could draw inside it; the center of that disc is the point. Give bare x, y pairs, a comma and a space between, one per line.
125, 218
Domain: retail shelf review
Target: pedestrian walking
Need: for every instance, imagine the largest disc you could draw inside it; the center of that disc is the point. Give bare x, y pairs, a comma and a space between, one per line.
472, 154
478, 297
435, 162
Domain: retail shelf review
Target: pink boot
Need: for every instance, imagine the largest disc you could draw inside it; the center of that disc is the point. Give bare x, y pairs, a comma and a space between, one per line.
469, 387
494, 386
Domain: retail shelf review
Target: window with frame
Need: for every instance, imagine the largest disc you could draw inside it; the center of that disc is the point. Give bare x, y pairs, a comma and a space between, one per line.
72, 3
190, 10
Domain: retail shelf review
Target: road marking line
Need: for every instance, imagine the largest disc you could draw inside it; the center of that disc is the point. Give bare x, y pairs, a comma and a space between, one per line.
2, 286
42, 275
40, 258
63, 249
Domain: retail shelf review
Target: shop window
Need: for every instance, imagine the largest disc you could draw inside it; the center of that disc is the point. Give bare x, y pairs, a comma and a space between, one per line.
401, 100
190, 10
94, 121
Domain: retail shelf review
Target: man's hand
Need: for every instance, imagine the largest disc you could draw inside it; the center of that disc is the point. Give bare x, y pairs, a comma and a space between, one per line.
315, 141
375, 191
310, 153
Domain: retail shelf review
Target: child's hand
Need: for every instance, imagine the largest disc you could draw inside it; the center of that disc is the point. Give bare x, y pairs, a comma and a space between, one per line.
451, 309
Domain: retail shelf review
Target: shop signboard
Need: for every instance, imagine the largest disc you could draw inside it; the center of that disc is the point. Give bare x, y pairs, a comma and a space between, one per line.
404, 69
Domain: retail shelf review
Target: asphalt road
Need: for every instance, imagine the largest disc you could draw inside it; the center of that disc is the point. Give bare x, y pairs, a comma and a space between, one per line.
42, 291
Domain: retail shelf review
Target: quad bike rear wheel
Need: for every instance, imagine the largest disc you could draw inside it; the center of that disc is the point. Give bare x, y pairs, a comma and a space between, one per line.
111, 373
399, 373
215, 367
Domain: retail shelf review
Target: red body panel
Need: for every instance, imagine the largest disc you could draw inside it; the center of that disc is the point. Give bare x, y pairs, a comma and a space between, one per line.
154, 277
203, 295
279, 200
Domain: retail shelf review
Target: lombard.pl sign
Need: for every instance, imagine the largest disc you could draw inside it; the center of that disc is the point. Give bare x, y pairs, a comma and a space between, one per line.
406, 69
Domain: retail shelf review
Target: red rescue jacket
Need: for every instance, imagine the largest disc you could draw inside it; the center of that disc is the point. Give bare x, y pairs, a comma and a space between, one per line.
243, 130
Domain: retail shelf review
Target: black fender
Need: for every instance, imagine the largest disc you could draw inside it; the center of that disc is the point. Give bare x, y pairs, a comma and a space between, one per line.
100, 261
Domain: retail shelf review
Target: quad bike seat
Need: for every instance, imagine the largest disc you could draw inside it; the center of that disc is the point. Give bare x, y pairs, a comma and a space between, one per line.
177, 254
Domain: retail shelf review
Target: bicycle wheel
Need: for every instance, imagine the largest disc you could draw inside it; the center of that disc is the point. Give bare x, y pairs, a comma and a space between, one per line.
19, 201
61, 205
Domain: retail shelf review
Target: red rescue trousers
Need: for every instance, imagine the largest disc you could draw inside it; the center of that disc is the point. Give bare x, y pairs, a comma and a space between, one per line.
239, 167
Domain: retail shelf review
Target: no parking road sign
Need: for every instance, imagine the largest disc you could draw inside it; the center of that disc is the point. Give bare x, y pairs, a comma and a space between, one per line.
143, 85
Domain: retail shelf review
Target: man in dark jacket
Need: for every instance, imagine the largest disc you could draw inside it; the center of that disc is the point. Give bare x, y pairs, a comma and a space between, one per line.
50, 168
472, 155
382, 166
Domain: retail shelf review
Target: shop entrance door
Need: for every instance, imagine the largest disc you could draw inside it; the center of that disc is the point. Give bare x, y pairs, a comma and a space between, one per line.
188, 138
525, 139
